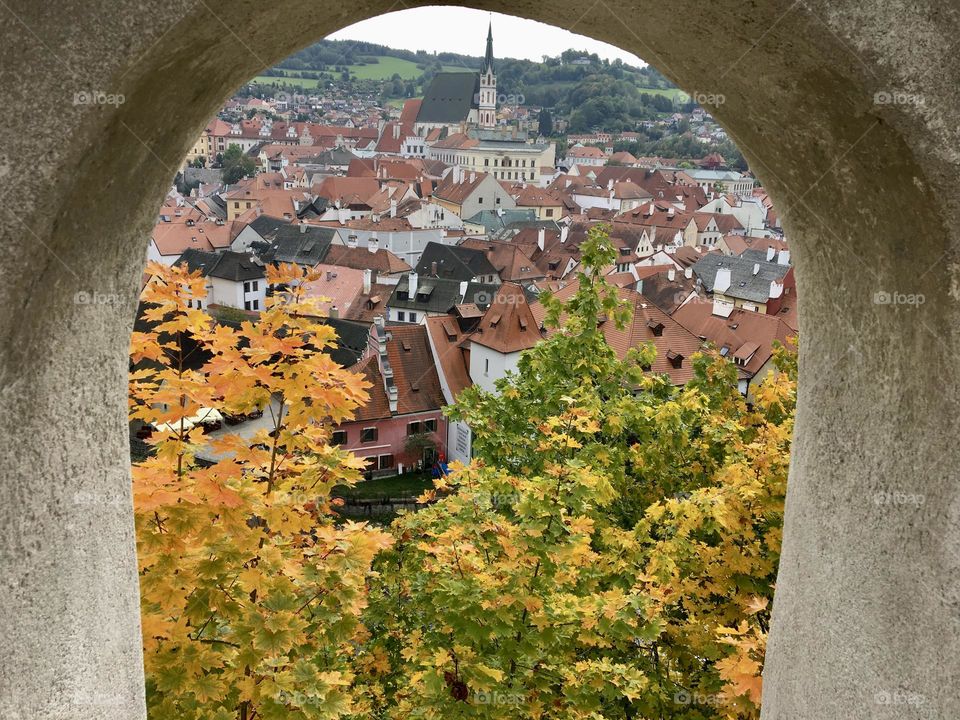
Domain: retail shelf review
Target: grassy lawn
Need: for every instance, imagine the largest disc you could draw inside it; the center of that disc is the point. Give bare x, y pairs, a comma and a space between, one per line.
384, 69
398, 486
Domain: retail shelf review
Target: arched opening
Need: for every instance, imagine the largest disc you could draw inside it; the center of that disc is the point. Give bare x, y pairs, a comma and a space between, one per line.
804, 87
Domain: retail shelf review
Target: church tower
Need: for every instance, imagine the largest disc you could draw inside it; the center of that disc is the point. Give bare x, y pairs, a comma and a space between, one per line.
487, 103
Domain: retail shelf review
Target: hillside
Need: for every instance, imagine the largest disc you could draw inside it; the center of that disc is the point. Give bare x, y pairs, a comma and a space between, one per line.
592, 93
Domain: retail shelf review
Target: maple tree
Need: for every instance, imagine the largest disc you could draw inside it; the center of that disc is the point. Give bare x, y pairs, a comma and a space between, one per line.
251, 593
609, 552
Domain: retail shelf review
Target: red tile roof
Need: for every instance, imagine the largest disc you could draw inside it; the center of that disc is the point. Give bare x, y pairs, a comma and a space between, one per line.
725, 222
414, 375
508, 325
447, 338
587, 151
348, 189
382, 261
744, 332
191, 229
532, 196
457, 192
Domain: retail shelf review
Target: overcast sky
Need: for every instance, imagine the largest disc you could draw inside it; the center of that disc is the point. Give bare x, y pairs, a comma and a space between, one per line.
461, 30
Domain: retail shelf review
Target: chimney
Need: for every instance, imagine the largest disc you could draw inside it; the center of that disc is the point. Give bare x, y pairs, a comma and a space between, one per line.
393, 208
303, 228
756, 268
412, 284
334, 312
396, 132
610, 184
722, 308
392, 397
367, 281
688, 273
342, 215
433, 268
563, 234
473, 176
722, 281
670, 212
351, 240
671, 274
771, 253
541, 238
783, 258
373, 244
463, 290
776, 289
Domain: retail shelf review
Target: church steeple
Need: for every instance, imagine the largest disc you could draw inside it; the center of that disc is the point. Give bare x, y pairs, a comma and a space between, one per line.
487, 106
488, 60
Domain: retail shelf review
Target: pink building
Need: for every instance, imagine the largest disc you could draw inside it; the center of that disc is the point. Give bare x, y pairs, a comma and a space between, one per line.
405, 400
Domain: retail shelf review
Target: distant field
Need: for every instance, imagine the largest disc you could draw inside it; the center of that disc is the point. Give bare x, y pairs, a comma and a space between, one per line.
672, 93
306, 83
385, 68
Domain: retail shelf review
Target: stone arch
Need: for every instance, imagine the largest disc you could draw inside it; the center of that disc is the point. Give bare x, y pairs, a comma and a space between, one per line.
843, 107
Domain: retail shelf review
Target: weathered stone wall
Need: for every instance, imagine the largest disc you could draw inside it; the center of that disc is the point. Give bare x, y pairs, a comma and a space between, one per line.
845, 108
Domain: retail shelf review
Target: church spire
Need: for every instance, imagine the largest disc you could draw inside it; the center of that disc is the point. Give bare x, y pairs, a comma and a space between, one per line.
488, 60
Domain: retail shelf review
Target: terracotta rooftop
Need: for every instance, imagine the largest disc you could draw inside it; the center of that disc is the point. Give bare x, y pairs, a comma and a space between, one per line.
414, 375
182, 233
382, 261
457, 192
347, 189
368, 306
587, 151
751, 334
512, 263
738, 244
725, 222
446, 337
532, 196
508, 325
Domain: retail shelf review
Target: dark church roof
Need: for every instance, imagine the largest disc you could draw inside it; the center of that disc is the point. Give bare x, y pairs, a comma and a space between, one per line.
450, 97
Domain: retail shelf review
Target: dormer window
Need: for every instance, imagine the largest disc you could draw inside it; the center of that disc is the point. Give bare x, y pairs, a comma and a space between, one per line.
675, 359
656, 327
